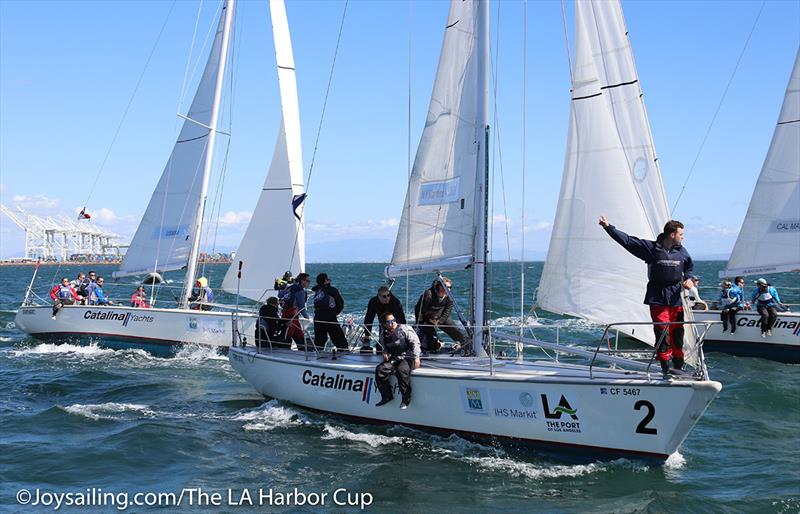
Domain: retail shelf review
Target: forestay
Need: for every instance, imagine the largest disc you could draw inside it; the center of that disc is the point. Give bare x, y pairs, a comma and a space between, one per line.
437, 228
769, 240
164, 237
610, 168
274, 241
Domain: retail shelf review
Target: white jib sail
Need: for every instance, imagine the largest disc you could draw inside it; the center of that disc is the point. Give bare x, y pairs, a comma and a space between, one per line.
769, 241
164, 237
274, 241
610, 168
437, 228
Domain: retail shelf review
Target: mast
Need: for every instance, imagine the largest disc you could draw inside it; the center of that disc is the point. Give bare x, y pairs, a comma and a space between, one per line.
191, 270
480, 251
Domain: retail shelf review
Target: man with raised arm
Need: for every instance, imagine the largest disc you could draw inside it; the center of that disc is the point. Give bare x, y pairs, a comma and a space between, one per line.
669, 268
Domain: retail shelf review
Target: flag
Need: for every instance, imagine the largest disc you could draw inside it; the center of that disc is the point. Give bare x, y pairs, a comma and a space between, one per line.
297, 201
83, 215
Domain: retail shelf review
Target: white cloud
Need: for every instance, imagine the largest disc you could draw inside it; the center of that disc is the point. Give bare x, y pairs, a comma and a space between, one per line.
235, 218
36, 203
369, 229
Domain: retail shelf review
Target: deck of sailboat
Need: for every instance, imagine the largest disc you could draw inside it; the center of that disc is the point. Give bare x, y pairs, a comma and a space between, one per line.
472, 368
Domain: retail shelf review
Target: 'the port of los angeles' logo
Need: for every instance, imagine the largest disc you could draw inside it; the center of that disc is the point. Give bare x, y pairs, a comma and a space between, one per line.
554, 423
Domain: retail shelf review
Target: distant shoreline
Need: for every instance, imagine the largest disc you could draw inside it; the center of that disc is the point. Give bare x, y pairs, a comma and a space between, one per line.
85, 263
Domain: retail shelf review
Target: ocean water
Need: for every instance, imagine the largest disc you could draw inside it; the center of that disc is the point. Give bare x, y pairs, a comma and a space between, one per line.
88, 419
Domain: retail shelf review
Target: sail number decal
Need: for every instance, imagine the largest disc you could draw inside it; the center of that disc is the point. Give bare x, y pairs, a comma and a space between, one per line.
642, 427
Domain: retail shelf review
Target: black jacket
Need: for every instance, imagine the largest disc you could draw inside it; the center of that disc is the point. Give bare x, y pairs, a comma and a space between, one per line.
666, 269
328, 303
270, 323
429, 304
376, 308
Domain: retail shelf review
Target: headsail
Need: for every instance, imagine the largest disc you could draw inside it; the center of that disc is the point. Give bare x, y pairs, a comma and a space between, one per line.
438, 226
164, 238
769, 241
610, 168
274, 241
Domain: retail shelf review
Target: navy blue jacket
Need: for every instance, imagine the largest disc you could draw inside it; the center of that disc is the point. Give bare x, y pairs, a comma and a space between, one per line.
666, 269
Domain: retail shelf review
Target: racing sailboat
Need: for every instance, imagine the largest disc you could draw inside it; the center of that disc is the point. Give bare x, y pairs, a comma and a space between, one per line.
610, 406
168, 237
769, 240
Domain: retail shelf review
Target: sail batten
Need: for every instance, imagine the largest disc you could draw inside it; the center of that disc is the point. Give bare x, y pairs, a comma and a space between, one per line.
769, 240
610, 168
274, 241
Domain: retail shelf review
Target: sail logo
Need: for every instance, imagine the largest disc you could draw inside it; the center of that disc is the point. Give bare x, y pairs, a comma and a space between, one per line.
555, 423
340, 382
439, 192
784, 226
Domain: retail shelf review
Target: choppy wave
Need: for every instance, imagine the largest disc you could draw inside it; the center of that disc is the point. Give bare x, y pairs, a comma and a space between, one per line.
196, 352
109, 410
92, 350
373, 440
675, 461
270, 416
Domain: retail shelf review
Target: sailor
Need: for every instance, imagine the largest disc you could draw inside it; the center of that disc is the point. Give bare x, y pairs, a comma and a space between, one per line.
433, 310
284, 282
669, 268
294, 306
84, 289
379, 305
401, 352
328, 303
139, 298
63, 294
730, 302
766, 300
695, 302
79, 284
202, 295
270, 327
96, 294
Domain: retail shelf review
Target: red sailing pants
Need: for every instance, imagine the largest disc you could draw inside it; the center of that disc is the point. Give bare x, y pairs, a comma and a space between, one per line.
673, 343
295, 331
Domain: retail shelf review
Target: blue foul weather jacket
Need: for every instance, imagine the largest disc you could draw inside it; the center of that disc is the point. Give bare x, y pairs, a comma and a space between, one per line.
666, 269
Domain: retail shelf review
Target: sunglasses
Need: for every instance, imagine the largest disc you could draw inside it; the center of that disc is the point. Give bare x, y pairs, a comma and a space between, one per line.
390, 322
383, 295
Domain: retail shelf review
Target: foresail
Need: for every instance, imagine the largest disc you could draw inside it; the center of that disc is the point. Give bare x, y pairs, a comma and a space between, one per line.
769, 240
164, 237
610, 168
438, 220
274, 241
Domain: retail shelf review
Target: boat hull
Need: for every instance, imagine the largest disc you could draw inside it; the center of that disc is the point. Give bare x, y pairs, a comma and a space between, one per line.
782, 346
132, 326
567, 412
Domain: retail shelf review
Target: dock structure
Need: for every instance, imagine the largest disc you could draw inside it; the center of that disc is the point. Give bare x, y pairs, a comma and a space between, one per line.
60, 238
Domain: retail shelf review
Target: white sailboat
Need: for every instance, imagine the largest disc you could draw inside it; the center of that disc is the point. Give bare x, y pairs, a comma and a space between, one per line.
595, 409
769, 240
168, 237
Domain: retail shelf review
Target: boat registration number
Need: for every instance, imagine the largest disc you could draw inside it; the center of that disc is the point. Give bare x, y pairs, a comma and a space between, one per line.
620, 391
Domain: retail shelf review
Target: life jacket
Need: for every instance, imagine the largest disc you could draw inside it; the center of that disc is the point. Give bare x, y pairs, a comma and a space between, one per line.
209, 295
765, 297
727, 298
64, 292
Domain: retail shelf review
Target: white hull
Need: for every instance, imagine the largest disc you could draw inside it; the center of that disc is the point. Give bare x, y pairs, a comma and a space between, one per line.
615, 413
783, 345
163, 327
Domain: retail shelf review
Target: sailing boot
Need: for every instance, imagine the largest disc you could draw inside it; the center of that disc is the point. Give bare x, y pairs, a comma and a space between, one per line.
677, 362
664, 367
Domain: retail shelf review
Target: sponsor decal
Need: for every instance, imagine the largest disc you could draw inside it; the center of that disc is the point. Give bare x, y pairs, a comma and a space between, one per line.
793, 325
206, 326
28, 312
192, 323
513, 404
436, 193
124, 317
473, 400
340, 382
785, 226
170, 232
555, 422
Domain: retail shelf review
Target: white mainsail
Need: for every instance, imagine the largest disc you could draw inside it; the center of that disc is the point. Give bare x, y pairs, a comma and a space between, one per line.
440, 215
610, 168
166, 233
274, 241
769, 240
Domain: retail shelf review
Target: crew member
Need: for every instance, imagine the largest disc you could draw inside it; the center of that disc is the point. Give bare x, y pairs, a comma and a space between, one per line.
730, 302
379, 305
433, 310
63, 294
284, 282
139, 298
270, 327
202, 295
401, 352
669, 267
294, 305
328, 303
766, 300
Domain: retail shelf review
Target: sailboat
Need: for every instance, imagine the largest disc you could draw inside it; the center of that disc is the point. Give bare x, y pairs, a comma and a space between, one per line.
611, 407
168, 236
769, 240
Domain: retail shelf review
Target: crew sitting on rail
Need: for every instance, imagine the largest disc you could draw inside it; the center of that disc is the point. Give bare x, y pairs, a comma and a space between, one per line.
401, 352
202, 296
63, 294
96, 294
695, 302
730, 302
433, 310
139, 298
79, 285
271, 329
767, 301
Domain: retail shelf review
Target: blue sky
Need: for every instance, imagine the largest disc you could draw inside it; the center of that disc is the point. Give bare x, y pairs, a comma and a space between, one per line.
68, 70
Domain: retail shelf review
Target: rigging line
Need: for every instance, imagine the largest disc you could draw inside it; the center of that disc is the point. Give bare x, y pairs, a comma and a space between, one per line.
319, 130
409, 165
184, 85
130, 102
566, 41
524, 156
719, 106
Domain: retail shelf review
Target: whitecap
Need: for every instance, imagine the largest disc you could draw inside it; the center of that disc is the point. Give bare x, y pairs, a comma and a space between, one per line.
196, 352
544, 471
91, 350
106, 410
373, 440
675, 461
269, 417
